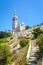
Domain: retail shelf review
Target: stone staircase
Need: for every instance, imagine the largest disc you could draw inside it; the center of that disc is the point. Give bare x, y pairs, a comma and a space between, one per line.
33, 54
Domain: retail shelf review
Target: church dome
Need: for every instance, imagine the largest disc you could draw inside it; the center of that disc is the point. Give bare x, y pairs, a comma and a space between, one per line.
22, 23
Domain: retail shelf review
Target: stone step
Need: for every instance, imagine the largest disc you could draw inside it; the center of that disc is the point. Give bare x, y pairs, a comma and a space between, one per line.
30, 60
34, 55
33, 51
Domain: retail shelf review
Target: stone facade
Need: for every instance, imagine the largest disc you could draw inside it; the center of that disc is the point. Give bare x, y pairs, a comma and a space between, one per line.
22, 26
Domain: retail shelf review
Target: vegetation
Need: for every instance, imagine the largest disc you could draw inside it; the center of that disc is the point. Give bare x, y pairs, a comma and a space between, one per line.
40, 44
36, 32
4, 34
41, 23
23, 61
4, 54
4, 40
23, 56
24, 42
27, 27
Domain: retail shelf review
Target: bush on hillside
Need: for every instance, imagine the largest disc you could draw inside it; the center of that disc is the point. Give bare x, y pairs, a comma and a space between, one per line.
23, 42
4, 55
4, 40
36, 32
4, 34
39, 42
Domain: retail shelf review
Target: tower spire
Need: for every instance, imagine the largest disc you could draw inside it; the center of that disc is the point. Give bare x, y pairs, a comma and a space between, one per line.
14, 12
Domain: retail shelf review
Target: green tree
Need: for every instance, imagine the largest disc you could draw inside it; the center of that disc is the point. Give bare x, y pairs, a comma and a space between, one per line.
4, 54
39, 42
4, 34
27, 27
36, 32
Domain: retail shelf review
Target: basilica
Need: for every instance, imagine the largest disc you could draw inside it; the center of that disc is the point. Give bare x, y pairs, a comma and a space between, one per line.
15, 26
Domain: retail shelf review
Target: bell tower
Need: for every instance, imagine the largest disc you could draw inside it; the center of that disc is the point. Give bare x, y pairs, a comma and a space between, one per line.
15, 22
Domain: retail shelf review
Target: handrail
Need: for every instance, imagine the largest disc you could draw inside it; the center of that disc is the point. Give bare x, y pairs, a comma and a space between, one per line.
28, 53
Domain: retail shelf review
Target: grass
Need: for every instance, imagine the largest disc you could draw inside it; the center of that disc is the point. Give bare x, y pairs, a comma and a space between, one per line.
22, 56
39, 63
4, 40
23, 61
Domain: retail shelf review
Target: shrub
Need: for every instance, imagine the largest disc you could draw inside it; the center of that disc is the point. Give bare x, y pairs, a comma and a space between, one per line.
4, 34
36, 32
4, 40
23, 42
39, 42
4, 54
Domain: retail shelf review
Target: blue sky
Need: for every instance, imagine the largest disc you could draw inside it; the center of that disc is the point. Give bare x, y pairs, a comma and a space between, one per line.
28, 11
